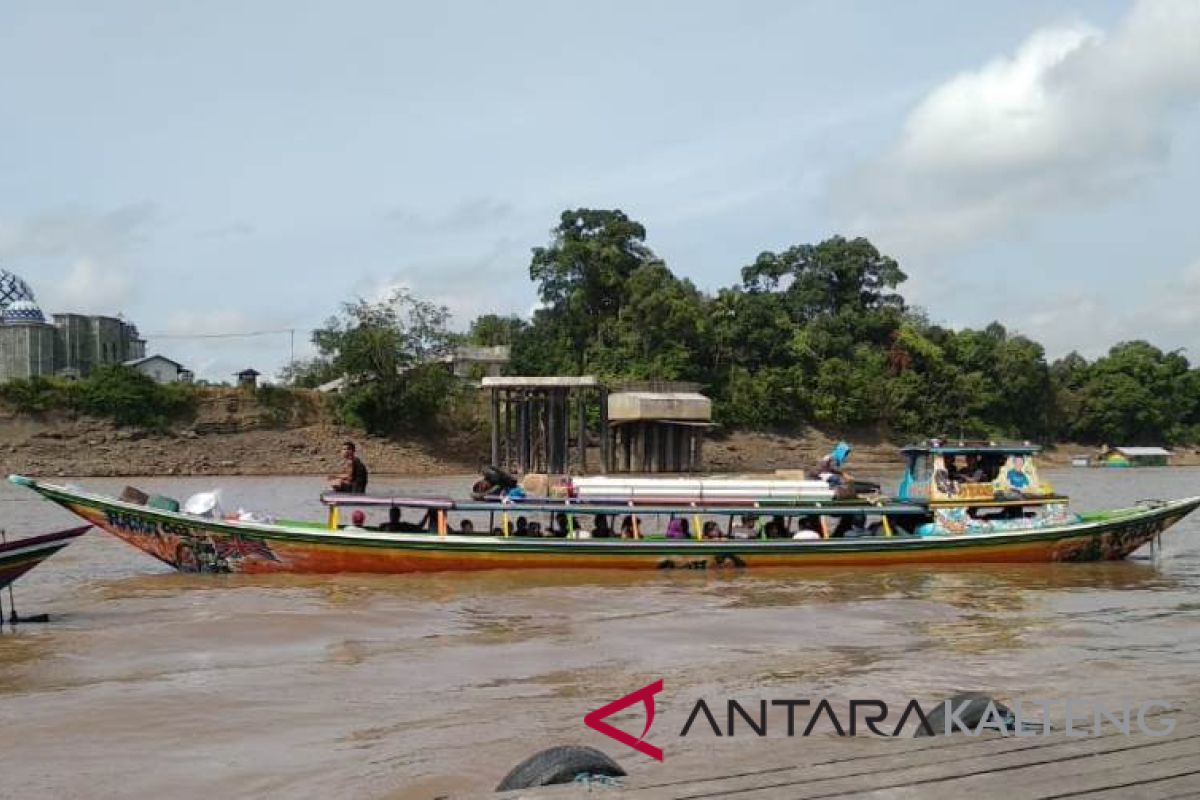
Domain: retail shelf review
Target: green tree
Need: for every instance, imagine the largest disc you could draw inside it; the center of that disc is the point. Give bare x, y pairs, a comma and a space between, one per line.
388, 354
1137, 394
835, 276
490, 330
582, 276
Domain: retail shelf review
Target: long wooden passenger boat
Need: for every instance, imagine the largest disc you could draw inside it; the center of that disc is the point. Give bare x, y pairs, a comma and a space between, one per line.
18, 556
941, 515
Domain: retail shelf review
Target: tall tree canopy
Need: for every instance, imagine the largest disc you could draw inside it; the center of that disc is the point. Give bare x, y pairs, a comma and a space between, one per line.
583, 277
815, 334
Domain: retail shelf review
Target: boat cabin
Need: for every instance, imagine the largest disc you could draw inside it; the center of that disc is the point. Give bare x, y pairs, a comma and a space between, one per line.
971, 473
979, 487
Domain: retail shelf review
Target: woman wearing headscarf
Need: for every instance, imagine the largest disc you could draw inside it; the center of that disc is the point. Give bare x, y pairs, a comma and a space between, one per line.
830, 467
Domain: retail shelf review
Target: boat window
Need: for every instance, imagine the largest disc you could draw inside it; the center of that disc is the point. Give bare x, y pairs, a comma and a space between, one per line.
919, 468
991, 464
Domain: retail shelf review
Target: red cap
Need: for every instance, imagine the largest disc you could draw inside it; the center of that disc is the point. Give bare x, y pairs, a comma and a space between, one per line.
358, 517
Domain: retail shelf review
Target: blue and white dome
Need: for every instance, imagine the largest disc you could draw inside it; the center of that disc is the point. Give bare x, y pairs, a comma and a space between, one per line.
22, 311
12, 289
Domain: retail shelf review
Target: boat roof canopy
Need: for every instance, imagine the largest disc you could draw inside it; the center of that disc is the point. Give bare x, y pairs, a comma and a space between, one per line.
548, 505
965, 447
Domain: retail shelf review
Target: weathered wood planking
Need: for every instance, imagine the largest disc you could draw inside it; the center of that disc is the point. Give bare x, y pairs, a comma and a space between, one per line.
1007, 768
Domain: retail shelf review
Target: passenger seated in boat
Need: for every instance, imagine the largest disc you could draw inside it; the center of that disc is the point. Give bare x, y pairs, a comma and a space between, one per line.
811, 523
353, 477
746, 529
466, 526
951, 462
776, 529
395, 524
712, 530
677, 528
357, 520
848, 524
805, 533
535, 529
560, 525
973, 472
600, 528
627, 528
522, 528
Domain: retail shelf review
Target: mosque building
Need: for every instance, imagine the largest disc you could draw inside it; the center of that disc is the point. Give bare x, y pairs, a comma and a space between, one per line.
67, 344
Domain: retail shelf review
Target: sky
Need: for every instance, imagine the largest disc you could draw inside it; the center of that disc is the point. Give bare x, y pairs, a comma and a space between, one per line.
222, 167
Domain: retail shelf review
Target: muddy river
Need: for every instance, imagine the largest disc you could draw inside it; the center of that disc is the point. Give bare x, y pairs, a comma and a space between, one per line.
152, 684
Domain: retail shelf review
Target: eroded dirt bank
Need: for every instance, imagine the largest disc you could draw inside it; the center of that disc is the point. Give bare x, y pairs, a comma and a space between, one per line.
58, 446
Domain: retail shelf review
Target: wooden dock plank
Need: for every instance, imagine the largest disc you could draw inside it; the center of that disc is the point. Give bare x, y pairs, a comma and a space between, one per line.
1056, 779
1172, 788
977, 776
1006, 768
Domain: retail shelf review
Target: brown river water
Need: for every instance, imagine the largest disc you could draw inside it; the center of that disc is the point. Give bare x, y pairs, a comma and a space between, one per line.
152, 684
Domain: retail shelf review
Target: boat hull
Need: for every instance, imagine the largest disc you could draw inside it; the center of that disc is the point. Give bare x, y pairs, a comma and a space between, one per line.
196, 544
18, 556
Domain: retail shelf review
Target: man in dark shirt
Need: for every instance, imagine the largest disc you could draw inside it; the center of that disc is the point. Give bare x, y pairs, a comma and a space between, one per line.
353, 477
397, 525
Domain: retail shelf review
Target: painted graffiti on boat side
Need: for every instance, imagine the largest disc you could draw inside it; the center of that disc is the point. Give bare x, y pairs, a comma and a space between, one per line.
185, 547
1114, 544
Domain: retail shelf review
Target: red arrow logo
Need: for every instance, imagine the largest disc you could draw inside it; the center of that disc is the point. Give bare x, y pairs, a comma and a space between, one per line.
595, 720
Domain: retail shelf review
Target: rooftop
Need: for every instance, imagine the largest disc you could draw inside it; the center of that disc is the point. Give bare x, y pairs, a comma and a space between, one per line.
539, 382
963, 447
1142, 451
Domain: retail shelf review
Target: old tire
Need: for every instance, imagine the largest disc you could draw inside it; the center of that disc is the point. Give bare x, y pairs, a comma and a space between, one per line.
559, 765
971, 716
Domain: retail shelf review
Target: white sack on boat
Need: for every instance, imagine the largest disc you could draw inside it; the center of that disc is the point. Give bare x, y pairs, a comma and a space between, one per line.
254, 516
204, 504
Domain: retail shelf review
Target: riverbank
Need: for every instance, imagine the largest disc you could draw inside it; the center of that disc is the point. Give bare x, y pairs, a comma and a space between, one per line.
88, 447
95, 448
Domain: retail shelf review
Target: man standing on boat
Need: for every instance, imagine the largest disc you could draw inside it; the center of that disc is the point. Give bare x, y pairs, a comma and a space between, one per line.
353, 477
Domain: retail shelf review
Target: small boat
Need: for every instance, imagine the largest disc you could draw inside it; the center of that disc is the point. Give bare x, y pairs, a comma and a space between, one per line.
993, 509
18, 556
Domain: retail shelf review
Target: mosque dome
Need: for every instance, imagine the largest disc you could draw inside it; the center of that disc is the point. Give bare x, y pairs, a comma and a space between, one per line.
20, 311
13, 289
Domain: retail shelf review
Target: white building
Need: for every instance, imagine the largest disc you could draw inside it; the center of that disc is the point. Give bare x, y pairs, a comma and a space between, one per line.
161, 368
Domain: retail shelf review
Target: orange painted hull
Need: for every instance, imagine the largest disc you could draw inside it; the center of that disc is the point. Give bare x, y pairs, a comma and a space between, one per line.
197, 544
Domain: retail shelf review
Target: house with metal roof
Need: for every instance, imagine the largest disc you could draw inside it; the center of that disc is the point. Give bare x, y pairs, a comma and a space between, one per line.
1127, 456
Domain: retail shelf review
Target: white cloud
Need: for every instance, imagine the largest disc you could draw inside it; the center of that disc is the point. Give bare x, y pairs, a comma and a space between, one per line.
467, 285
90, 287
1075, 116
1168, 316
78, 260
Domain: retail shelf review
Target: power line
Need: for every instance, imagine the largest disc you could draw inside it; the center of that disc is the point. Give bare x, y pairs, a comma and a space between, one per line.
291, 332
217, 335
